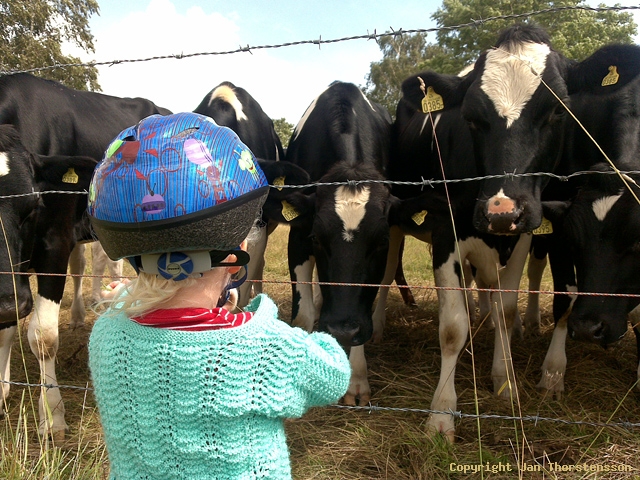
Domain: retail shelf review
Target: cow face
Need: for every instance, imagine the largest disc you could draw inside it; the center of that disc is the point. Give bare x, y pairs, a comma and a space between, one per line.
514, 102
19, 215
602, 226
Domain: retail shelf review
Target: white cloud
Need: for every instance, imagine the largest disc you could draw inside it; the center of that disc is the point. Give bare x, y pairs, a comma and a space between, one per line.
284, 83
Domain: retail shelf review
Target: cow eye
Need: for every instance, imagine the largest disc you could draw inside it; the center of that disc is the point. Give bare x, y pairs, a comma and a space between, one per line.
557, 114
478, 125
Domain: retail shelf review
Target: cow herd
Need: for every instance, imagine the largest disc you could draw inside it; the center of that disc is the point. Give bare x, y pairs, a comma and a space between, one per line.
486, 140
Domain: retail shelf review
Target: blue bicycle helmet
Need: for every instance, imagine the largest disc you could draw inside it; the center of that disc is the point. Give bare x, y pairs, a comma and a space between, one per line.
176, 183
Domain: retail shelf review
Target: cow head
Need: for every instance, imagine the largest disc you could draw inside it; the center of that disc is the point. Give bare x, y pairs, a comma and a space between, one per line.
348, 227
23, 176
602, 227
514, 102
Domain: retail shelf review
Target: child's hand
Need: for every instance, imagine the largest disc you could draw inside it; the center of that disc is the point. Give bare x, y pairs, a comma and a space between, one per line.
113, 289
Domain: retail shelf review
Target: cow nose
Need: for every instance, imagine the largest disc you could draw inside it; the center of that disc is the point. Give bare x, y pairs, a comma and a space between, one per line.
347, 337
589, 332
502, 214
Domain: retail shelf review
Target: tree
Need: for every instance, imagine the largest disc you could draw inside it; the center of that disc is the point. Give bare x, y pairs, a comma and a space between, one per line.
284, 130
32, 34
575, 33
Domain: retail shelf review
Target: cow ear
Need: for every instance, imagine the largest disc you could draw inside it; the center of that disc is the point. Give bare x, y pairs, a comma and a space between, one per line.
296, 207
411, 214
555, 211
431, 92
283, 173
64, 173
607, 70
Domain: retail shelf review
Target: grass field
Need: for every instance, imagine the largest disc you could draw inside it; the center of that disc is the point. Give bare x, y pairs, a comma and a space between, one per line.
334, 443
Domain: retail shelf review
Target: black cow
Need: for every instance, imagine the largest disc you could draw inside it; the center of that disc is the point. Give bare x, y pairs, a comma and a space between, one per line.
40, 231
342, 229
51, 119
235, 108
505, 116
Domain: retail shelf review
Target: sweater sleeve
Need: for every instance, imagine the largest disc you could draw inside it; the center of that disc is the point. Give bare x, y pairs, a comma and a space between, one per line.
326, 371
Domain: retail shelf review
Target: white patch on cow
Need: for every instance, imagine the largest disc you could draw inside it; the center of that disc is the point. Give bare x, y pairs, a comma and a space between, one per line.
466, 70
350, 207
228, 95
602, 206
510, 78
4, 164
307, 313
305, 116
367, 100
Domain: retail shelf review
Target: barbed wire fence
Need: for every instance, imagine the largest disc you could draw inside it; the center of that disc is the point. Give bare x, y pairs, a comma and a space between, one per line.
371, 408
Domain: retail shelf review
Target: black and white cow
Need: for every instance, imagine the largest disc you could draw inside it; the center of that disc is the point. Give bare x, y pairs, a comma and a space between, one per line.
40, 230
504, 117
602, 228
51, 119
341, 229
234, 107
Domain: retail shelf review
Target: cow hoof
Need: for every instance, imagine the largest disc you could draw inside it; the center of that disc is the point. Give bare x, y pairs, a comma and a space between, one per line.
358, 398
442, 424
552, 383
57, 434
501, 387
376, 338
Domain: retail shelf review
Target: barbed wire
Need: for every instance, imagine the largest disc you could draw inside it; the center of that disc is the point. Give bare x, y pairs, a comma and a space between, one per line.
319, 41
375, 408
353, 183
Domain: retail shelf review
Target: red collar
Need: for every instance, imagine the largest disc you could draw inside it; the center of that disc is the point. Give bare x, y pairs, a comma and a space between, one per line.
193, 319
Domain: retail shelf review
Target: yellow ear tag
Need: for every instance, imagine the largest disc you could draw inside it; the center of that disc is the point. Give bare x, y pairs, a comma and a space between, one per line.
432, 102
612, 77
70, 177
544, 228
279, 181
419, 217
288, 211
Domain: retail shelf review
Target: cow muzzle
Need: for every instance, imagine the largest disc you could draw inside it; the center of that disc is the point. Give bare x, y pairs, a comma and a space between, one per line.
499, 215
599, 329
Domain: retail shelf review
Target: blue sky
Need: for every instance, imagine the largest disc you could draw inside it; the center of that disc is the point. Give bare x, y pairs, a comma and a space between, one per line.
284, 81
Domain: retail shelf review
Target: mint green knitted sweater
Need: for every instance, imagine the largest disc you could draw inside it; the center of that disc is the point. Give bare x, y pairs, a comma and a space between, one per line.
208, 405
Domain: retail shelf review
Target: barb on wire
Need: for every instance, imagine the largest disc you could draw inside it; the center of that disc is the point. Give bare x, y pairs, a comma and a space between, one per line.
368, 36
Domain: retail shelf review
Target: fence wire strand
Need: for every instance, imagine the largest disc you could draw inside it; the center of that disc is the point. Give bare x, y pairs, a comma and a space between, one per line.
320, 41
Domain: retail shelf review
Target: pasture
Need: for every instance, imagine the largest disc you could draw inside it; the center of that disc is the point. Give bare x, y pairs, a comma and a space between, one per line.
336, 443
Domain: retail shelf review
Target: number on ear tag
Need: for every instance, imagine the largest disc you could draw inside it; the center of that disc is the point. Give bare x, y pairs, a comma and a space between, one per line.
432, 102
289, 212
419, 217
612, 77
70, 177
544, 228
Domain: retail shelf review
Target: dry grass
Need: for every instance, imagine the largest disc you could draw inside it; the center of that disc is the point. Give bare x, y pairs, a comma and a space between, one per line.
333, 443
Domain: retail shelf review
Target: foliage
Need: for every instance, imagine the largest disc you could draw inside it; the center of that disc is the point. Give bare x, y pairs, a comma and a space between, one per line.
574, 33
284, 130
32, 34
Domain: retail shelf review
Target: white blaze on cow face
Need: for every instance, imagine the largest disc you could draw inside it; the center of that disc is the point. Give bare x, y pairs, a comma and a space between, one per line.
602, 206
4, 164
228, 95
350, 207
508, 79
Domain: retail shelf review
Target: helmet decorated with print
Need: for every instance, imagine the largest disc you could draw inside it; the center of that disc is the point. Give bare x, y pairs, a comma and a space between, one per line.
175, 183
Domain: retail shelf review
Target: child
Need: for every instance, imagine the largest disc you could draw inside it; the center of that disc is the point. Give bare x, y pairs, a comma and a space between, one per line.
185, 389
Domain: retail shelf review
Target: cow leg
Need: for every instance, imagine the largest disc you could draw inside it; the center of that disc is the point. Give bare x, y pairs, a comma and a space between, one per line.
43, 340
467, 272
396, 239
401, 282
99, 263
535, 270
484, 303
77, 264
301, 266
6, 340
359, 390
256, 247
502, 372
453, 332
